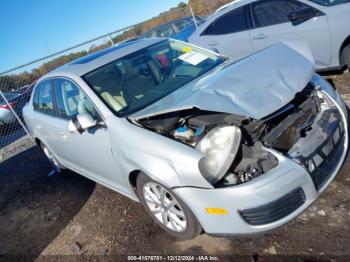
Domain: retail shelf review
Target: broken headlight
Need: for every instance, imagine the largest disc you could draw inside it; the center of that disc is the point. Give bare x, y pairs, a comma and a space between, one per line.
219, 147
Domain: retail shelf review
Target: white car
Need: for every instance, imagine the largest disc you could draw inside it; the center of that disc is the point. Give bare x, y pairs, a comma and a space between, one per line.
244, 27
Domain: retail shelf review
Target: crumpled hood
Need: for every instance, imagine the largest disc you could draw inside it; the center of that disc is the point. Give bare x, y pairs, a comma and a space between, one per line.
253, 87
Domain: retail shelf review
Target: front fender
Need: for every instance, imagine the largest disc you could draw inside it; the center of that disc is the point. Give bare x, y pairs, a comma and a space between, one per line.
156, 168
171, 172
163, 159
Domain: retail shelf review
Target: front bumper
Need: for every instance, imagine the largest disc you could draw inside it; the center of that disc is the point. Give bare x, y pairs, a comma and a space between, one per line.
270, 200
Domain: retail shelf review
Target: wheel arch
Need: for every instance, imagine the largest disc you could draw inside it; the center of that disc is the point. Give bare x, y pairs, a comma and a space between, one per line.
345, 43
133, 177
154, 175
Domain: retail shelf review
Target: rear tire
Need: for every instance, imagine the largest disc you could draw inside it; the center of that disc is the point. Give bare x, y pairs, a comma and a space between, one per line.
166, 209
52, 159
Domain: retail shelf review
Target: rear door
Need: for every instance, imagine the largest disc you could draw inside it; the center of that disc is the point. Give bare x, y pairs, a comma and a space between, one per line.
46, 122
228, 34
272, 25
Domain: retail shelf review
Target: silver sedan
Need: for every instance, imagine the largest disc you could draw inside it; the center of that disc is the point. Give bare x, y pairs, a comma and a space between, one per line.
203, 143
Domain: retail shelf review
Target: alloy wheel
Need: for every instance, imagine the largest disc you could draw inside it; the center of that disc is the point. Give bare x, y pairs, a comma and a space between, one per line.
164, 206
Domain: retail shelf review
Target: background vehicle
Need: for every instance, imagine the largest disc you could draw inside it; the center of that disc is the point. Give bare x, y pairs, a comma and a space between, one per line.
192, 135
244, 27
26, 90
179, 29
16, 102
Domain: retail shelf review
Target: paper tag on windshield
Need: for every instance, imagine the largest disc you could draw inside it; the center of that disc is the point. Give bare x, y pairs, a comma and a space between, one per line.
193, 58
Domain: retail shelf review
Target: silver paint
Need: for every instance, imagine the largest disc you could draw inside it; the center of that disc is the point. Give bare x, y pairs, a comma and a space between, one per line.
254, 87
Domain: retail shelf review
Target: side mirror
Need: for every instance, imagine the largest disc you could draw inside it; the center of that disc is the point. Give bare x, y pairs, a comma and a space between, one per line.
302, 15
81, 122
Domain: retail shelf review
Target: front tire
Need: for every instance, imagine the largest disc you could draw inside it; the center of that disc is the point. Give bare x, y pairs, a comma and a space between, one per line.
166, 209
345, 56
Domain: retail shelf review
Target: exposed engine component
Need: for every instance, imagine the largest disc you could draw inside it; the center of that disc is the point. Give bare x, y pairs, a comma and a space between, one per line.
280, 131
247, 175
191, 126
286, 133
185, 134
230, 179
251, 162
290, 126
194, 119
162, 124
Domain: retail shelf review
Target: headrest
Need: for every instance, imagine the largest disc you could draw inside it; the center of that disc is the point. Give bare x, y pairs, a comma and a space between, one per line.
129, 71
99, 77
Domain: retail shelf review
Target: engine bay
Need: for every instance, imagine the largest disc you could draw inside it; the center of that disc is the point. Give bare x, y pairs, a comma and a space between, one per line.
279, 131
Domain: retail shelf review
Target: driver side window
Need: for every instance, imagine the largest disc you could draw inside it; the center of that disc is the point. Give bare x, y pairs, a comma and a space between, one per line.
71, 101
273, 12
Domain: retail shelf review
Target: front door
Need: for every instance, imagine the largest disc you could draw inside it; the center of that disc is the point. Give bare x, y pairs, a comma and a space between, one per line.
272, 25
90, 151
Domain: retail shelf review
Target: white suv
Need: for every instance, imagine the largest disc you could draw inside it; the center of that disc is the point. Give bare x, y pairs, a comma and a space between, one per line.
244, 27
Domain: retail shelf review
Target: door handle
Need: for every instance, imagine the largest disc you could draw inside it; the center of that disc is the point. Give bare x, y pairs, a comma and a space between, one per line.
214, 43
260, 36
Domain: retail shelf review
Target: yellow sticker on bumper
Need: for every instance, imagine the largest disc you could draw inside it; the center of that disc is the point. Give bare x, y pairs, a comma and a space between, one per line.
216, 211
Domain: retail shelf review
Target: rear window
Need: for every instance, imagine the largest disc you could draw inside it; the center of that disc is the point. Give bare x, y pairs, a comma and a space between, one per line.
330, 2
233, 22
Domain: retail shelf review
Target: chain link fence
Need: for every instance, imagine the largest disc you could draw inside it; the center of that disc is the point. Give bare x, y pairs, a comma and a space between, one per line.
16, 84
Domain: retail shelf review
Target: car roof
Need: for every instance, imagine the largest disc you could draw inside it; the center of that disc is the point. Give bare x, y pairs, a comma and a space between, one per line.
95, 60
227, 5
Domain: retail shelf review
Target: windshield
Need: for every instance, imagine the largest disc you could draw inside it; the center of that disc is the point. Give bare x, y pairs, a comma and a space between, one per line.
330, 2
130, 84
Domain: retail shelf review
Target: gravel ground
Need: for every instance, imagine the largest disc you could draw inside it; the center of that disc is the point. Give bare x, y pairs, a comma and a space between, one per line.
43, 215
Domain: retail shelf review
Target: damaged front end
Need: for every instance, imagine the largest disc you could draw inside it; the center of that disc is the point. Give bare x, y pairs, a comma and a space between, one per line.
312, 134
231, 145
307, 130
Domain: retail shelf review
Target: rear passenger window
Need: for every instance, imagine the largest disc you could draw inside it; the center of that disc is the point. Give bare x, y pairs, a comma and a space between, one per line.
272, 12
71, 101
232, 22
43, 98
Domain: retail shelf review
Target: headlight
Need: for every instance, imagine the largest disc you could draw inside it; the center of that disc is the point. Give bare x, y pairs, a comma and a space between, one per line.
219, 147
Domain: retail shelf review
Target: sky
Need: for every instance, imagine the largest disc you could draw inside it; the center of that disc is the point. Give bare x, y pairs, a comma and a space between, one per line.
36, 28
